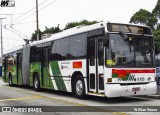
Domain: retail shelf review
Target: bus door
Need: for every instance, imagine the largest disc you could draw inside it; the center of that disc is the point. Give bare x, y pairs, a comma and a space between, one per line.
19, 66
95, 62
45, 67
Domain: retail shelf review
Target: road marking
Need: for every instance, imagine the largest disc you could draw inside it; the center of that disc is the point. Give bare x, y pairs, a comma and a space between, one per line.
69, 102
87, 106
24, 98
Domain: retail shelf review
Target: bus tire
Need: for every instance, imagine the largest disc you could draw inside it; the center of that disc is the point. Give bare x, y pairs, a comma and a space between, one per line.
36, 83
79, 88
10, 81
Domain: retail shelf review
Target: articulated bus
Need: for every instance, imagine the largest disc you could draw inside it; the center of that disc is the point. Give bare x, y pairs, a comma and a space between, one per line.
104, 59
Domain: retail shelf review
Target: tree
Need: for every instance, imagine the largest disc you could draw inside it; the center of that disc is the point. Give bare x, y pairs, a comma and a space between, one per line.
156, 36
156, 13
144, 17
150, 19
156, 10
51, 30
83, 22
34, 35
56, 29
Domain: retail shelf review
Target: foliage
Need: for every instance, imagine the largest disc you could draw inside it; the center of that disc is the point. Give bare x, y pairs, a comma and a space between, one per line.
144, 17
150, 19
51, 30
34, 35
140, 17
54, 30
156, 10
83, 22
156, 36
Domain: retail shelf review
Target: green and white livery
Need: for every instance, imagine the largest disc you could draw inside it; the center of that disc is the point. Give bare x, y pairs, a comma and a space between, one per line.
104, 59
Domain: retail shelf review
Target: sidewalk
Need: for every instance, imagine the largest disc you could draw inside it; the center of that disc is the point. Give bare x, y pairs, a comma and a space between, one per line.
155, 96
1, 82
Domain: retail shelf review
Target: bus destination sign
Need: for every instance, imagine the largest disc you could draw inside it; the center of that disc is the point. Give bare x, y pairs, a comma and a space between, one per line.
128, 28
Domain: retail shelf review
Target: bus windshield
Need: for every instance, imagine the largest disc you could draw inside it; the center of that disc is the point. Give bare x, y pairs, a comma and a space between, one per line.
129, 51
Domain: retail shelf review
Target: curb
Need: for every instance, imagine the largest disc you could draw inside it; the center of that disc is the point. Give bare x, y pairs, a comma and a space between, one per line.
154, 96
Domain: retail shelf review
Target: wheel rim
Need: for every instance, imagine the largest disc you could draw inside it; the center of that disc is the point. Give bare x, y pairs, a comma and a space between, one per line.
79, 87
36, 83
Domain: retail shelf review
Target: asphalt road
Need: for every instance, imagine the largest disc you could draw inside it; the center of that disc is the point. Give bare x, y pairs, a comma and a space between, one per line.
25, 99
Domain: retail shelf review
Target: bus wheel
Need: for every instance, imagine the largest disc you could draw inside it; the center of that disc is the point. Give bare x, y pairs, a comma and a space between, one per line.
36, 83
10, 81
79, 88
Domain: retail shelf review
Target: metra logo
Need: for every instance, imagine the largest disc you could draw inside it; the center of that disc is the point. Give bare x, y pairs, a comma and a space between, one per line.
77, 64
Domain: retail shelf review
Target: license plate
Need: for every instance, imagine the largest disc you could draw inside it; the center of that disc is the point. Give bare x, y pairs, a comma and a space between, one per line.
136, 89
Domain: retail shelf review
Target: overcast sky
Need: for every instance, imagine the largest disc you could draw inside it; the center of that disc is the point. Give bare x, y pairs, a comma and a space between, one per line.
54, 12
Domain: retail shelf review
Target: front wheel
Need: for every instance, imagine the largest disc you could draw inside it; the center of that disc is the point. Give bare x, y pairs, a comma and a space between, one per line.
36, 83
79, 88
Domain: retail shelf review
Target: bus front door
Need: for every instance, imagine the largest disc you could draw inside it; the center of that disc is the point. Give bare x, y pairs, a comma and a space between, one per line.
45, 67
95, 65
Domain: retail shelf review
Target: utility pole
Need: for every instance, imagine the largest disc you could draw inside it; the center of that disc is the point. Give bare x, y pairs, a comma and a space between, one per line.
37, 20
1, 41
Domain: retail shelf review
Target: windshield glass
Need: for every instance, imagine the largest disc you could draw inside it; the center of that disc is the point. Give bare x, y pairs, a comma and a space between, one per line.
129, 51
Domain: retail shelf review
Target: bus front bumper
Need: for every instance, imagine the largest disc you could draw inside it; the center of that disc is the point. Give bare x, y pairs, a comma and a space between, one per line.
117, 90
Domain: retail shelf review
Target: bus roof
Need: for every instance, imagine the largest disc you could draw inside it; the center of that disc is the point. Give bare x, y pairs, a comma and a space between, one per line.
14, 49
69, 32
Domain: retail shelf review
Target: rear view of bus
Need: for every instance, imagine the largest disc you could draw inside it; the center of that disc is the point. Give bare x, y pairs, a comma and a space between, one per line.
129, 61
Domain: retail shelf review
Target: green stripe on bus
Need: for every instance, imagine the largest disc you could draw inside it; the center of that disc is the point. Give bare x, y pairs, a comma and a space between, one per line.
56, 72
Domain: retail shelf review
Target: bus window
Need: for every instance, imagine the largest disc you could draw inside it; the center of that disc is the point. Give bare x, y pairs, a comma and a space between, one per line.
77, 47
100, 51
60, 49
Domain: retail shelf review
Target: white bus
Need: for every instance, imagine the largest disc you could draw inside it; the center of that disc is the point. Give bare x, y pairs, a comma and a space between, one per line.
104, 59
